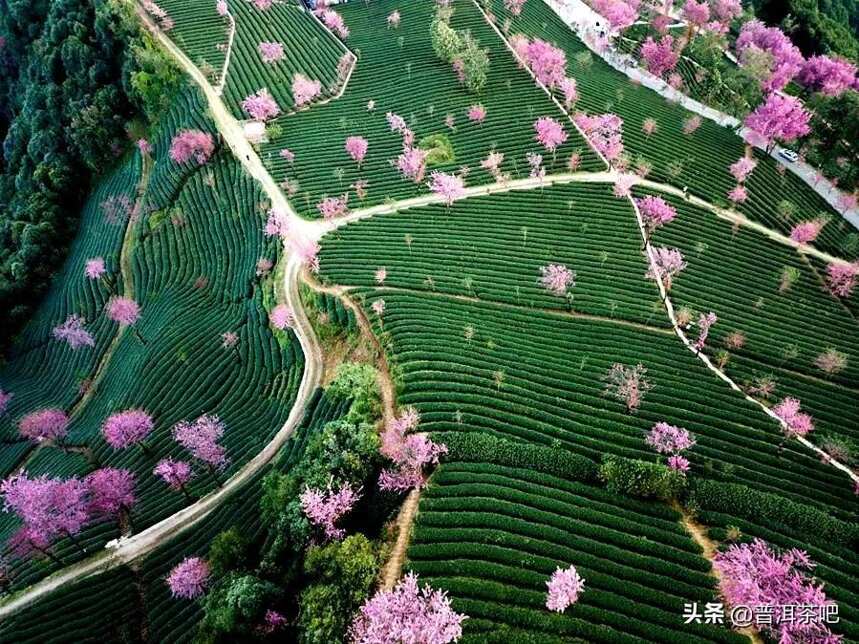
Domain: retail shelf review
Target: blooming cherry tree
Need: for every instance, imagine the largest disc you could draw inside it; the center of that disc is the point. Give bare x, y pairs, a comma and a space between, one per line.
476, 113
448, 186
557, 279
742, 168
94, 268
111, 492
659, 56
605, 133
407, 614
174, 473
831, 76
546, 62
126, 428
841, 278
564, 588
271, 52
44, 424
831, 361
757, 576
569, 89
189, 578
200, 438
393, 19
356, 147
627, 384
806, 232
797, 423
704, 324
123, 310
655, 212
325, 507
411, 453
666, 265
261, 105
738, 194
304, 89
550, 133
192, 144
73, 333
784, 58
333, 207
779, 117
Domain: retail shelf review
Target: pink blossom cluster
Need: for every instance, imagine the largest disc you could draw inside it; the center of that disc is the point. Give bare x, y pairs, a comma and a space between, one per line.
262, 5
282, 317
276, 223
691, 124
564, 587
73, 333
623, 185
126, 428
174, 473
222, 8
727, 10
448, 186
393, 19
116, 208
787, 60
334, 21
476, 113
779, 117
696, 13
704, 323
192, 144
410, 453
830, 76
273, 622
261, 105
378, 307
627, 384
200, 438
605, 133
123, 310
94, 268
557, 279
620, 14
797, 422
738, 194
407, 614
356, 147
550, 133
547, 62
570, 91
492, 164
671, 440
110, 490
667, 264
5, 398
304, 89
165, 22
44, 424
742, 168
271, 52
535, 162
659, 56
757, 576
325, 507
655, 212
806, 232
332, 207
307, 250
841, 278
189, 578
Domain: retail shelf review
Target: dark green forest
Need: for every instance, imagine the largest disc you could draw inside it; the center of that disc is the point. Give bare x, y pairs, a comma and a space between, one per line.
73, 74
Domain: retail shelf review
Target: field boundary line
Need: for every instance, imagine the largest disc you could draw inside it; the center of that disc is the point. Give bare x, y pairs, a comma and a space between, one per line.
219, 88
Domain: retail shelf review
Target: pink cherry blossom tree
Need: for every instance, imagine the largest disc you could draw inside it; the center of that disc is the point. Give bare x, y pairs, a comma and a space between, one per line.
356, 147
271, 52
547, 62
261, 105
412, 164
550, 133
564, 587
569, 89
742, 168
94, 268
627, 384
304, 90
448, 186
126, 428
200, 438
655, 212
667, 264
841, 278
831, 361
785, 58
325, 507
73, 333
605, 133
394, 19
407, 614
192, 144
476, 113
111, 493
44, 425
831, 76
704, 323
282, 317
557, 279
620, 14
378, 307
797, 423
659, 56
691, 125
411, 453
333, 207
779, 117
189, 578
514, 6
334, 21
757, 576
123, 310
806, 232
669, 439
174, 473
738, 194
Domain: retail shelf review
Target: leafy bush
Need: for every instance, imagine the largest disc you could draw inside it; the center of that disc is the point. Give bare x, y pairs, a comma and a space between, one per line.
640, 478
228, 551
762, 507
439, 150
489, 449
236, 605
358, 382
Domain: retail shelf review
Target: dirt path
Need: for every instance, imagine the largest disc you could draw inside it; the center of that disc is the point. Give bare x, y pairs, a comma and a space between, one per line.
393, 568
709, 548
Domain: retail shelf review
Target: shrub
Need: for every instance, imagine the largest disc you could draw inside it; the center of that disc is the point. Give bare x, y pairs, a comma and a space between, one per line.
228, 551
237, 605
439, 150
639, 478
483, 448
357, 381
763, 507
